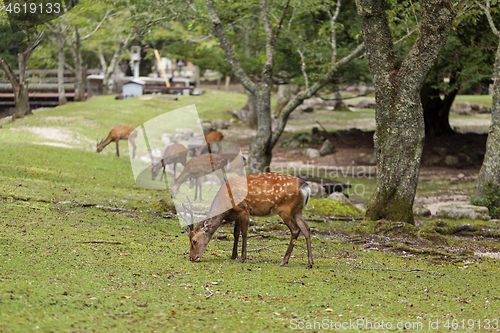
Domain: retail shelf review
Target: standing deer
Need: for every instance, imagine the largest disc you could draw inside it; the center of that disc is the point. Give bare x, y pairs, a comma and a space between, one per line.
197, 167
117, 134
268, 194
175, 153
213, 136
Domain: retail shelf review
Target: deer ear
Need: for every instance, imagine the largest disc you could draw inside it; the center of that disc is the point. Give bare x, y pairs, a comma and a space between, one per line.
189, 228
206, 224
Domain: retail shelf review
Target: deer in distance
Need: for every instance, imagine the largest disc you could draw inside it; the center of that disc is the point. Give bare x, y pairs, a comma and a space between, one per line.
197, 167
117, 134
260, 194
173, 154
211, 137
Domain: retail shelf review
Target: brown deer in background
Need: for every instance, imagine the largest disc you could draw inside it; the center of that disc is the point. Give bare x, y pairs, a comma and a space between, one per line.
172, 154
197, 167
212, 137
117, 134
268, 194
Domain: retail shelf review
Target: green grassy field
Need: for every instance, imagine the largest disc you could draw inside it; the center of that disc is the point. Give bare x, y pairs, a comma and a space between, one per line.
83, 249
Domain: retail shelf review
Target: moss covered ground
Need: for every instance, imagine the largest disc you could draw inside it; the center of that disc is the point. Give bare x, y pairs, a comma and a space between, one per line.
82, 249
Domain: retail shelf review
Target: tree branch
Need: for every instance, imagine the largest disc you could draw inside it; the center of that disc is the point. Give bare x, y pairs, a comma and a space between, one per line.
97, 27
333, 18
486, 11
33, 45
226, 46
9, 72
280, 23
268, 32
300, 97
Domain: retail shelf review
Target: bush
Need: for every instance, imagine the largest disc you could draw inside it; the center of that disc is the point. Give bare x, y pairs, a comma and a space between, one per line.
491, 200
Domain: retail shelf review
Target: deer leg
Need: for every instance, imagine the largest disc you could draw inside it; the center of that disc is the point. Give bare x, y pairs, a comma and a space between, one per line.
117, 151
199, 184
244, 233
307, 234
175, 166
294, 230
237, 228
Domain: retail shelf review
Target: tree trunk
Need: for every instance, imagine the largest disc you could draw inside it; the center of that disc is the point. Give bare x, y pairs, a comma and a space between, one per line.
228, 80
109, 70
490, 170
251, 107
260, 153
284, 95
60, 69
437, 110
197, 76
339, 104
400, 131
77, 58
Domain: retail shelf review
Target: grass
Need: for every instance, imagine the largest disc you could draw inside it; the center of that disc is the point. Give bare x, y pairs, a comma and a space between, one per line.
69, 266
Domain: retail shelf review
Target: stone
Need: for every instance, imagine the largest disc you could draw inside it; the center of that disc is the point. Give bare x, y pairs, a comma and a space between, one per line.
311, 153
220, 124
460, 176
294, 144
431, 160
421, 211
458, 212
340, 197
182, 134
441, 151
317, 191
462, 108
327, 148
167, 139
451, 160
367, 104
370, 159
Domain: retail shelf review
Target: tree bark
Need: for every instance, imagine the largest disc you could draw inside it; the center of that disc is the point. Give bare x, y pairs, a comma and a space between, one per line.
284, 95
60, 69
251, 107
490, 170
339, 104
79, 81
400, 129
109, 70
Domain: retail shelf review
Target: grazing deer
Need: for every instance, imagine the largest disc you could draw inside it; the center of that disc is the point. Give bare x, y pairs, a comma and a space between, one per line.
213, 136
117, 134
172, 154
236, 165
197, 167
268, 194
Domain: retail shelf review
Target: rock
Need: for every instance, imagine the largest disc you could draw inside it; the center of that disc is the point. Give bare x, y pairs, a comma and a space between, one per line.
311, 153
340, 197
182, 134
167, 139
294, 152
294, 144
360, 206
458, 212
431, 160
317, 191
220, 124
421, 211
367, 104
484, 109
460, 176
242, 115
441, 151
327, 148
451, 160
462, 108
370, 159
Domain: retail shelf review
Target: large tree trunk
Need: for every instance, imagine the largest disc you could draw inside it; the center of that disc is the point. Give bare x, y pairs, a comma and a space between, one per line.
490, 170
60, 69
109, 70
251, 107
284, 95
260, 153
437, 110
400, 131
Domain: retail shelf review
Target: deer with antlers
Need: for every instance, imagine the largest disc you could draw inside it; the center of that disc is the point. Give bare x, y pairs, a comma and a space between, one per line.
260, 194
117, 134
210, 138
197, 167
172, 154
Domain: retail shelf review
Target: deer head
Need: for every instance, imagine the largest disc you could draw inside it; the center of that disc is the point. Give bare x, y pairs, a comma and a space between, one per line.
99, 146
156, 168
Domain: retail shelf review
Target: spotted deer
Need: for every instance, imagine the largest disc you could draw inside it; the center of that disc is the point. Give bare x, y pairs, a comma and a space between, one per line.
117, 134
197, 167
211, 137
268, 194
172, 154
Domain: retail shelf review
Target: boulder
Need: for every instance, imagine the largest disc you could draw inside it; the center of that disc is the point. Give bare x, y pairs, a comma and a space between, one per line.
458, 212
431, 160
462, 108
317, 191
327, 148
182, 134
421, 211
311, 153
370, 159
340, 197
451, 160
219, 124
367, 104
